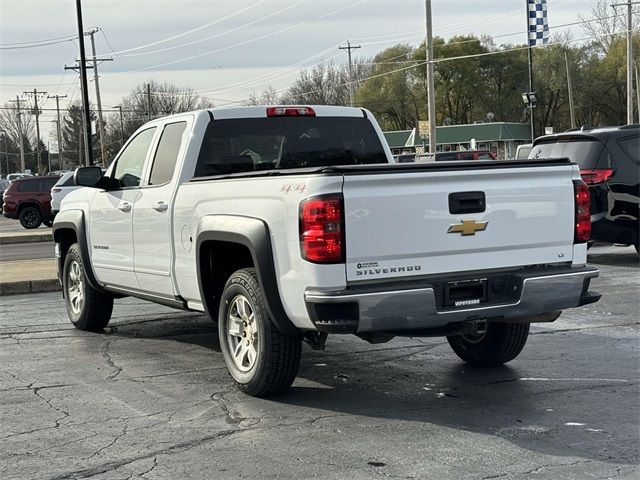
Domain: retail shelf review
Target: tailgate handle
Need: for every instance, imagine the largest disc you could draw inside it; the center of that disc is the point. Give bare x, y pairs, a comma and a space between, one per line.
467, 202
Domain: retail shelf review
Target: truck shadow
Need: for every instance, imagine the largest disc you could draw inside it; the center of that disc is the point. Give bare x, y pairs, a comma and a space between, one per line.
563, 409
190, 328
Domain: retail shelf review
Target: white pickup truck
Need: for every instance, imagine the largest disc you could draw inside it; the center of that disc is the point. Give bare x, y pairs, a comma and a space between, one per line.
286, 224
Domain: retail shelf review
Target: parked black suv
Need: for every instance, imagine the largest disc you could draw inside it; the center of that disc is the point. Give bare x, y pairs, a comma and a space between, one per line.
609, 160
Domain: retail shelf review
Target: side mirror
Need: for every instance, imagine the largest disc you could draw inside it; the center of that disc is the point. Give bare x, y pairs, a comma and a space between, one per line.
87, 176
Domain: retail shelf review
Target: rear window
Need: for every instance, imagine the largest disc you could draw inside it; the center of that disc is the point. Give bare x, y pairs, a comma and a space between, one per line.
254, 144
582, 150
66, 180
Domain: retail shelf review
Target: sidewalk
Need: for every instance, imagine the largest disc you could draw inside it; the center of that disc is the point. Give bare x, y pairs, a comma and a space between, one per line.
38, 235
28, 276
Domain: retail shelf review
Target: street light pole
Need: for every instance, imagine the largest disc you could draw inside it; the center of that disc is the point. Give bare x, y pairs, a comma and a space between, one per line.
629, 4
431, 92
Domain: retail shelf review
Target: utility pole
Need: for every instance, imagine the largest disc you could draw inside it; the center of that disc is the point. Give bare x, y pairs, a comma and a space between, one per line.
570, 89
103, 147
49, 156
35, 94
6, 152
352, 93
629, 4
148, 102
58, 97
119, 107
431, 92
17, 102
85, 91
638, 92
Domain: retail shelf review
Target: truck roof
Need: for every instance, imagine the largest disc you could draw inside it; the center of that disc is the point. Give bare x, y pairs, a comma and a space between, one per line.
260, 111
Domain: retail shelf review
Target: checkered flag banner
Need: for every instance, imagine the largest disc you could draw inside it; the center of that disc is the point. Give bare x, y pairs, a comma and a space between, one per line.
538, 22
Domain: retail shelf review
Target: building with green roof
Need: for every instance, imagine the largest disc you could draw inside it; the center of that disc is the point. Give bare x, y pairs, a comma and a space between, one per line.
500, 137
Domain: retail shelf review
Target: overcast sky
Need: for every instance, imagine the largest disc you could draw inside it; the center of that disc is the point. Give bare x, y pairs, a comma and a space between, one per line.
233, 47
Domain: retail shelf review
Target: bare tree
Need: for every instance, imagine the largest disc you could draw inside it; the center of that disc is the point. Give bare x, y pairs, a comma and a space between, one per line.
605, 23
25, 127
269, 96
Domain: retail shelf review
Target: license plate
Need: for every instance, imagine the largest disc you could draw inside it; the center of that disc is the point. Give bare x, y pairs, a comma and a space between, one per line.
465, 293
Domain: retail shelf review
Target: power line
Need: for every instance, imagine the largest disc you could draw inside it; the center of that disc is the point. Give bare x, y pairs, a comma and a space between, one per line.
188, 32
245, 42
37, 45
277, 12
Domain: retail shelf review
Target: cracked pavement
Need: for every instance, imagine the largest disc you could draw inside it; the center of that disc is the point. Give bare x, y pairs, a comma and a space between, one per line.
150, 398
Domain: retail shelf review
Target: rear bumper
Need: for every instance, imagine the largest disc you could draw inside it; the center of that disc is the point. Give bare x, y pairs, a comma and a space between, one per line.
392, 308
13, 215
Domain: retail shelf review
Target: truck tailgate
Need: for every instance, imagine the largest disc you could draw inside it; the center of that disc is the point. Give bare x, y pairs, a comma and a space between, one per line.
404, 222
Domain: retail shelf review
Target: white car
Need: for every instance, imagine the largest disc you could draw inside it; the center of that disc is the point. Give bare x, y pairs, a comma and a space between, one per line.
61, 189
16, 176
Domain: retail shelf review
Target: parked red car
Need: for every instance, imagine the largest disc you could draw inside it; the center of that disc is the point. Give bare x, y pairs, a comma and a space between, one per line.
29, 199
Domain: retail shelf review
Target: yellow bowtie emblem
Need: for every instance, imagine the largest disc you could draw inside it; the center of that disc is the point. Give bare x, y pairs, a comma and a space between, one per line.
468, 227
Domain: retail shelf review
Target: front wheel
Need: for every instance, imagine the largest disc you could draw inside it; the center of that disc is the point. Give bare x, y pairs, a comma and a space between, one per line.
87, 308
262, 360
501, 343
30, 217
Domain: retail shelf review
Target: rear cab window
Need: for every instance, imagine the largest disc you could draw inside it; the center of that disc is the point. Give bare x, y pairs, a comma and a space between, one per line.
280, 143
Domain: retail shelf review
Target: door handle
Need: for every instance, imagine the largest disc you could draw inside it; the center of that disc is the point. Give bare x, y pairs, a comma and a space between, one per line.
125, 207
160, 207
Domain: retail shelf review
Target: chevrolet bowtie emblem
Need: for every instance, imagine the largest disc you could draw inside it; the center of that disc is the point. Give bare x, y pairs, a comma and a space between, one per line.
468, 227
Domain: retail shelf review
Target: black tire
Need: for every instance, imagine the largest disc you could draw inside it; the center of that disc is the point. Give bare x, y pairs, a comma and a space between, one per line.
501, 343
30, 217
91, 311
276, 356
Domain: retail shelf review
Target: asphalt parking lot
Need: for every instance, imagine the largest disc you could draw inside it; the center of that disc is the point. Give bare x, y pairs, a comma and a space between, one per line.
151, 398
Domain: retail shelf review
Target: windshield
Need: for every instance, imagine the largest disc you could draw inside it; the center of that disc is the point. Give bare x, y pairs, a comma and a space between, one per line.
254, 144
584, 151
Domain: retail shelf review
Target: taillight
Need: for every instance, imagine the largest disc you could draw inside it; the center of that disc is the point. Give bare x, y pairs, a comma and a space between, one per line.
290, 112
596, 175
583, 213
322, 229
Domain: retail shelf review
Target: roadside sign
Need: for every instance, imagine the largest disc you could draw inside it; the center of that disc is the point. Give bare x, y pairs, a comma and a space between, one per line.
548, 130
423, 129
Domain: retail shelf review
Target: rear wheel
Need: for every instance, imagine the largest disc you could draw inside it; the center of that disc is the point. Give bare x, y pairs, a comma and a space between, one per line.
30, 217
262, 360
501, 343
87, 308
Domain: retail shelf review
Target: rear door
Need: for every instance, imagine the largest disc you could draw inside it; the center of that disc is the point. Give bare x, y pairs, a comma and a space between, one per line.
444, 219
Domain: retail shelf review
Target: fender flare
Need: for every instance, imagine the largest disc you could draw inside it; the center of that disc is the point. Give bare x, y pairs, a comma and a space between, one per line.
74, 220
254, 234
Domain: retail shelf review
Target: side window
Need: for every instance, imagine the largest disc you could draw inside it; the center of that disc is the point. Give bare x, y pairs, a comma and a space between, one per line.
131, 161
29, 186
631, 146
164, 162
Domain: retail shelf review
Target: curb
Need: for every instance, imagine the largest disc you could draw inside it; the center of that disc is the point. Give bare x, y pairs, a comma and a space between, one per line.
30, 286
36, 237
